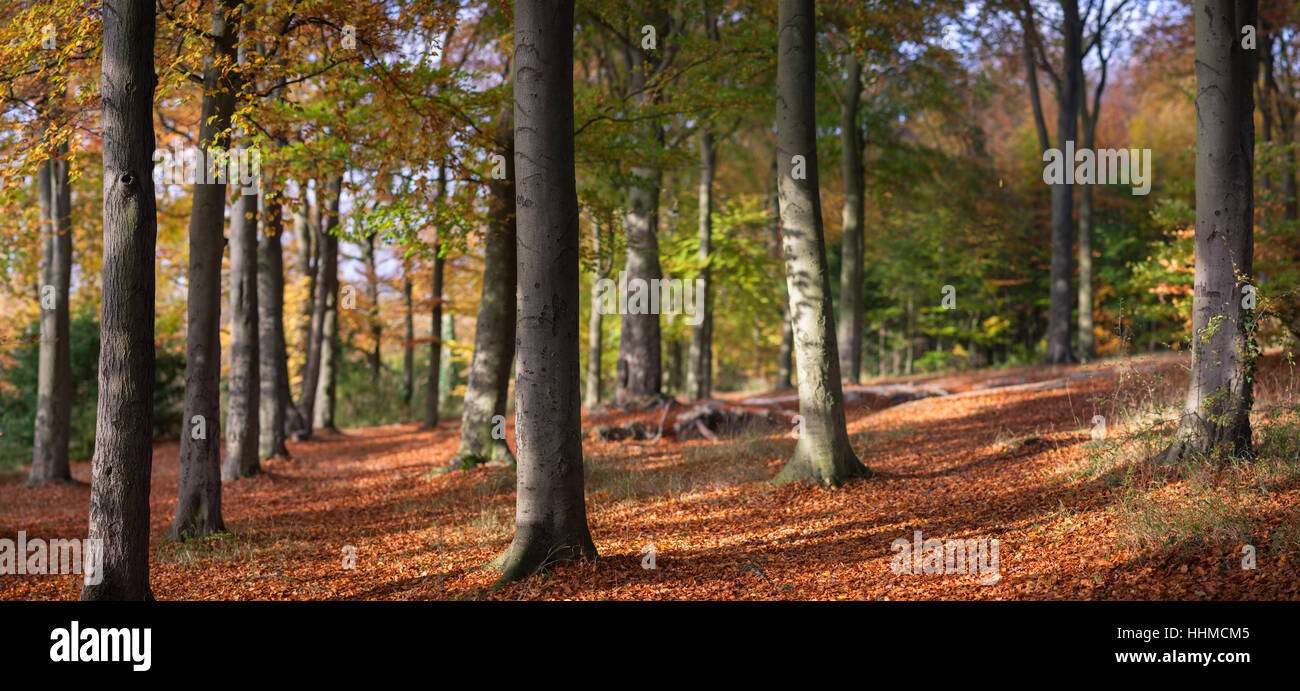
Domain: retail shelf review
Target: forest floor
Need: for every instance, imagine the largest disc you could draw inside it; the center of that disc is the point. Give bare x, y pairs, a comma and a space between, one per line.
1006, 454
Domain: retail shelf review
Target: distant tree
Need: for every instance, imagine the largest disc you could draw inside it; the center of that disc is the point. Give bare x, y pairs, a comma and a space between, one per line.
494, 332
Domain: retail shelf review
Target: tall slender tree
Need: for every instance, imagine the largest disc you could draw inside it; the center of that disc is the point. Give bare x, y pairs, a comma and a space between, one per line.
273, 361
550, 508
198, 504
852, 245
327, 301
54, 368
1066, 82
123, 459
822, 454
482, 440
1216, 416
243, 399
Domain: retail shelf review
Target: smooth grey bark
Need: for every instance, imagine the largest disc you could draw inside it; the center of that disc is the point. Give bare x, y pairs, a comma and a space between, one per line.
198, 503
243, 384
54, 371
639, 368
550, 508
1088, 116
408, 348
851, 245
785, 355
296, 424
449, 376
433, 383
1216, 417
372, 291
273, 361
494, 331
595, 319
327, 303
822, 454
699, 372
1067, 129
120, 469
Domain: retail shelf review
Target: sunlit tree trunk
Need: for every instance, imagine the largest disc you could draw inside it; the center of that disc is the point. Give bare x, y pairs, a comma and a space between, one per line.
850, 321
243, 397
494, 331
408, 332
699, 373
273, 364
297, 424
198, 504
120, 470
54, 369
433, 384
823, 454
550, 509
595, 321
328, 304
1216, 418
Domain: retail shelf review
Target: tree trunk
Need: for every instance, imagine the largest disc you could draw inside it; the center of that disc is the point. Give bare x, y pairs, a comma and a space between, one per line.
1067, 127
823, 454
54, 372
297, 424
494, 332
449, 376
850, 322
640, 373
1216, 418
785, 356
699, 374
273, 364
328, 305
198, 504
372, 289
120, 470
550, 509
1087, 347
595, 324
243, 397
408, 348
433, 388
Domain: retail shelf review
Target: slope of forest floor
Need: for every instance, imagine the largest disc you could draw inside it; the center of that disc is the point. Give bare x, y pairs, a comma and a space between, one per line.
1011, 454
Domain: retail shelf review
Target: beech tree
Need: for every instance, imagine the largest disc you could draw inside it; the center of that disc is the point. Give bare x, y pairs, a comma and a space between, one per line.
54, 375
327, 303
198, 502
1216, 416
852, 245
243, 399
822, 454
273, 365
494, 333
1066, 81
550, 508
123, 460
